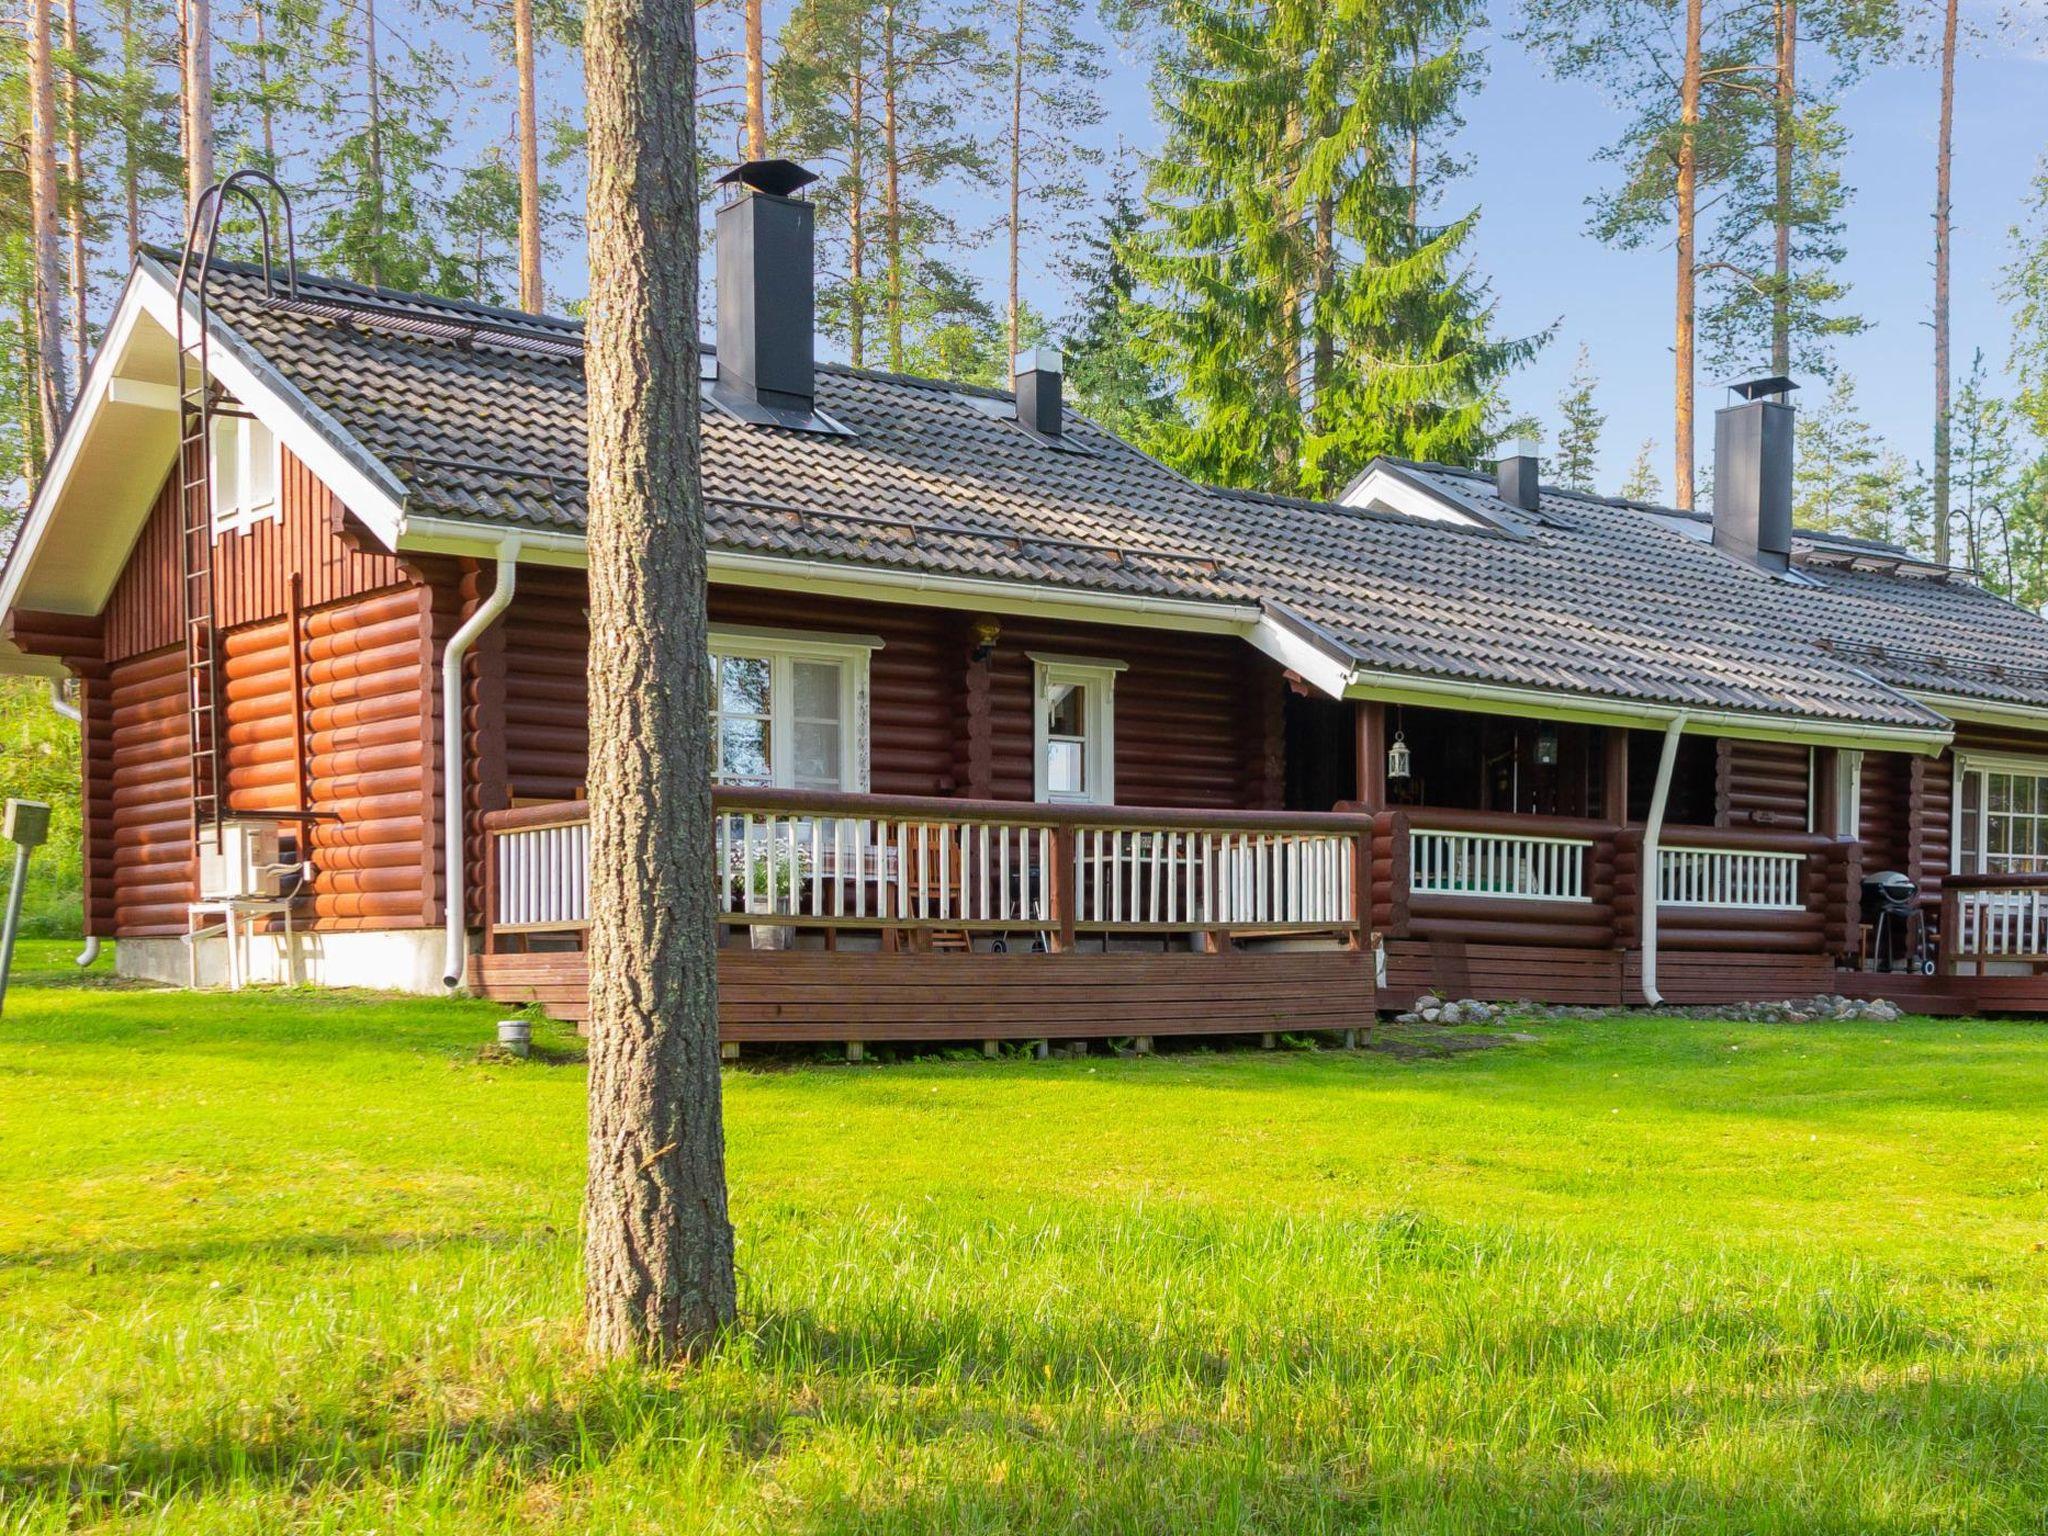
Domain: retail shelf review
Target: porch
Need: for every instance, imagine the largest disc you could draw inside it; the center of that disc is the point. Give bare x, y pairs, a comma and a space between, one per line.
881, 917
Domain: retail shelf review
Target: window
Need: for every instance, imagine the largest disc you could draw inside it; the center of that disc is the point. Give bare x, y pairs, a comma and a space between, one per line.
245, 473
790, 709
1073, 736
2003, 825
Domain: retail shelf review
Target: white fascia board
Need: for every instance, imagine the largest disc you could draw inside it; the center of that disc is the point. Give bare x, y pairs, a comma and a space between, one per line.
1406, 497
1498, 699
92, 394
369, 490
1984, 711
1296, 652
746, 568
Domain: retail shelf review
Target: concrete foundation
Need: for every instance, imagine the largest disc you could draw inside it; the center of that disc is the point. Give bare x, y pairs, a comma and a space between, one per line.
391, 960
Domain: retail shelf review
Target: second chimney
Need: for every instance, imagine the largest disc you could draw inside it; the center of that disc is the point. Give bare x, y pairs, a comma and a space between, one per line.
1037, 375
1753, 475
766, 302
1515, 476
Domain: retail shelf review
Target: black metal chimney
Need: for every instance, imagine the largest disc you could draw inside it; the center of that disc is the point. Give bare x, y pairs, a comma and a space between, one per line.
1753, 474
1515, 476
766, 288
1037, 377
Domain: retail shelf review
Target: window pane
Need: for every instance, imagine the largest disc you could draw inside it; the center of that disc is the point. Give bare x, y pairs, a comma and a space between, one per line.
743, 751
817, 754
1065, 709
2001, 793
227, 468
259, 464
1065, 768
743, 685
816, 687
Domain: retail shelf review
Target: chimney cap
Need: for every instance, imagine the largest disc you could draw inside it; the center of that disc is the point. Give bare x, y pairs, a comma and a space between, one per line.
1776, 387
1038, 360
1523, 447
779, 178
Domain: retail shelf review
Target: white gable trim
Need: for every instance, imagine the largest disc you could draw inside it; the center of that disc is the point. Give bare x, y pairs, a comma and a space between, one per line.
344, 466
1382, 485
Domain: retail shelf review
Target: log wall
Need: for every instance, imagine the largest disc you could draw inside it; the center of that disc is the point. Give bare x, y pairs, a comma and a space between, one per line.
1761, 784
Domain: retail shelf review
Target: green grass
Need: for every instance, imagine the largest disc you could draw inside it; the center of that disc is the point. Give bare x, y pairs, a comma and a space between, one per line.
303, 1262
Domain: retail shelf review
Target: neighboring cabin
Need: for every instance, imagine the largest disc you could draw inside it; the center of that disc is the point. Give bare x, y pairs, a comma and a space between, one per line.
989, 682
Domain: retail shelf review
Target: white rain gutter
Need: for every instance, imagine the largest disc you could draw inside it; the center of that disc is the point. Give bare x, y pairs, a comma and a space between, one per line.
451, 756
1653, 857
71, 712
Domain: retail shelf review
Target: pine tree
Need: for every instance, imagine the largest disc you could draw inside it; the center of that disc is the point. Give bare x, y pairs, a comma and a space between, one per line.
1684, 71
1305, 321
1988, 478
1110, 383
1577, 464
2024, 288
1641, 482
53, 390
1051, 71
483, 255
1843, 481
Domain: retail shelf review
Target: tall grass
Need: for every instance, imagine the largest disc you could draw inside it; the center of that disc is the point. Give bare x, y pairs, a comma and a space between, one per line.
304, 1263
39, 761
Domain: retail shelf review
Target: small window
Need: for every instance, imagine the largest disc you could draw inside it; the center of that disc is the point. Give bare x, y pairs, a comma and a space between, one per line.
1074, 730
245, 473
789, 710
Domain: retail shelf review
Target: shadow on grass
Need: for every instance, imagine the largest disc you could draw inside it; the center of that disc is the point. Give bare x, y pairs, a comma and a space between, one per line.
104, 1259
987, 1423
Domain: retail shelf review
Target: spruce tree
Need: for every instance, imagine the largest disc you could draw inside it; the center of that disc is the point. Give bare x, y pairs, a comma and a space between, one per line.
1107, 378
1641, 482
1305, 320
1842, 483
1577, 463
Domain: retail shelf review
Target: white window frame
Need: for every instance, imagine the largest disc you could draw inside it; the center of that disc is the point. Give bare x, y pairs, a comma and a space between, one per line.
781, 649
1848, 793
1096, 676
253, 446
1987, 763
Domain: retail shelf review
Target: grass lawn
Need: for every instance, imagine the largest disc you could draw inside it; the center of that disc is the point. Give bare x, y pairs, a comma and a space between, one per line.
303, 1262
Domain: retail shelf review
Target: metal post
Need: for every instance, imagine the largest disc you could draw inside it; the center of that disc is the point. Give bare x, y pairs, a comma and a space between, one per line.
26, 824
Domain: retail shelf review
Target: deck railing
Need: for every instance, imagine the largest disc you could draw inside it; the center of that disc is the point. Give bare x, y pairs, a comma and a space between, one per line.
1506, 865
1731, 879
800, 859
1994, 917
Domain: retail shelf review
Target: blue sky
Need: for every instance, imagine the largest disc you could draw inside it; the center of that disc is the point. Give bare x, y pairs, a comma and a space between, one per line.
1531, 143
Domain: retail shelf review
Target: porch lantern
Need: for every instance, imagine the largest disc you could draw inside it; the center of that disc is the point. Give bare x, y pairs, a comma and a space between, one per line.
1546, 745
1397, 758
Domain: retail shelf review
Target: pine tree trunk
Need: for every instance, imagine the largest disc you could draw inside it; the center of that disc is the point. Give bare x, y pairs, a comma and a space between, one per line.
266, 115
1016, 172
856, 211
52, 389
531, 298
74, 154
1787, 116
658, 1244
892, 193
1943, 157
131, 176
28, 401
196, 64
1688, 201
757, 91
372, 85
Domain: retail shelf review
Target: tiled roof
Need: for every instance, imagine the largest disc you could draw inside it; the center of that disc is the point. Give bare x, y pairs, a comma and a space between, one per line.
479, 414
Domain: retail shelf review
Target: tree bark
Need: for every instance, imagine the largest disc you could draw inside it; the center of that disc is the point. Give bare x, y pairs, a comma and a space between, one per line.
659, 1253
1016, 171
856, 204
892, 193
196, 95
266, 115
131, 173
1943, 157
373, 89
74, 155
1688, 274
757, 88
52, 388
1787, 116
531, 297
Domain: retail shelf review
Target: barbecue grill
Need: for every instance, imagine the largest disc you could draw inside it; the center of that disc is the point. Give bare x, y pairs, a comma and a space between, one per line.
1898, 926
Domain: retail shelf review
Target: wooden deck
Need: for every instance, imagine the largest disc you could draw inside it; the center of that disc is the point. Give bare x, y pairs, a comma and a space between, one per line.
825, 995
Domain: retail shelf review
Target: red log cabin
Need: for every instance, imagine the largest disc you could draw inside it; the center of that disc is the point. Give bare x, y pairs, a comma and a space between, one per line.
1019, 733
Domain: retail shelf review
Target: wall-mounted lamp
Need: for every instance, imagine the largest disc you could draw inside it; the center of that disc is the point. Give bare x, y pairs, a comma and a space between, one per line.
1398, 758
1546, 745
986, 633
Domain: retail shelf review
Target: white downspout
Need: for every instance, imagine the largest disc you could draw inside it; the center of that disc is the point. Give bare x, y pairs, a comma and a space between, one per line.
1653, 859
451, 756
71, 712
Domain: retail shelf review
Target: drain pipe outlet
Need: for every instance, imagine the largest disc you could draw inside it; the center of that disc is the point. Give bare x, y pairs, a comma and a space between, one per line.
1652, 876
457, 938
